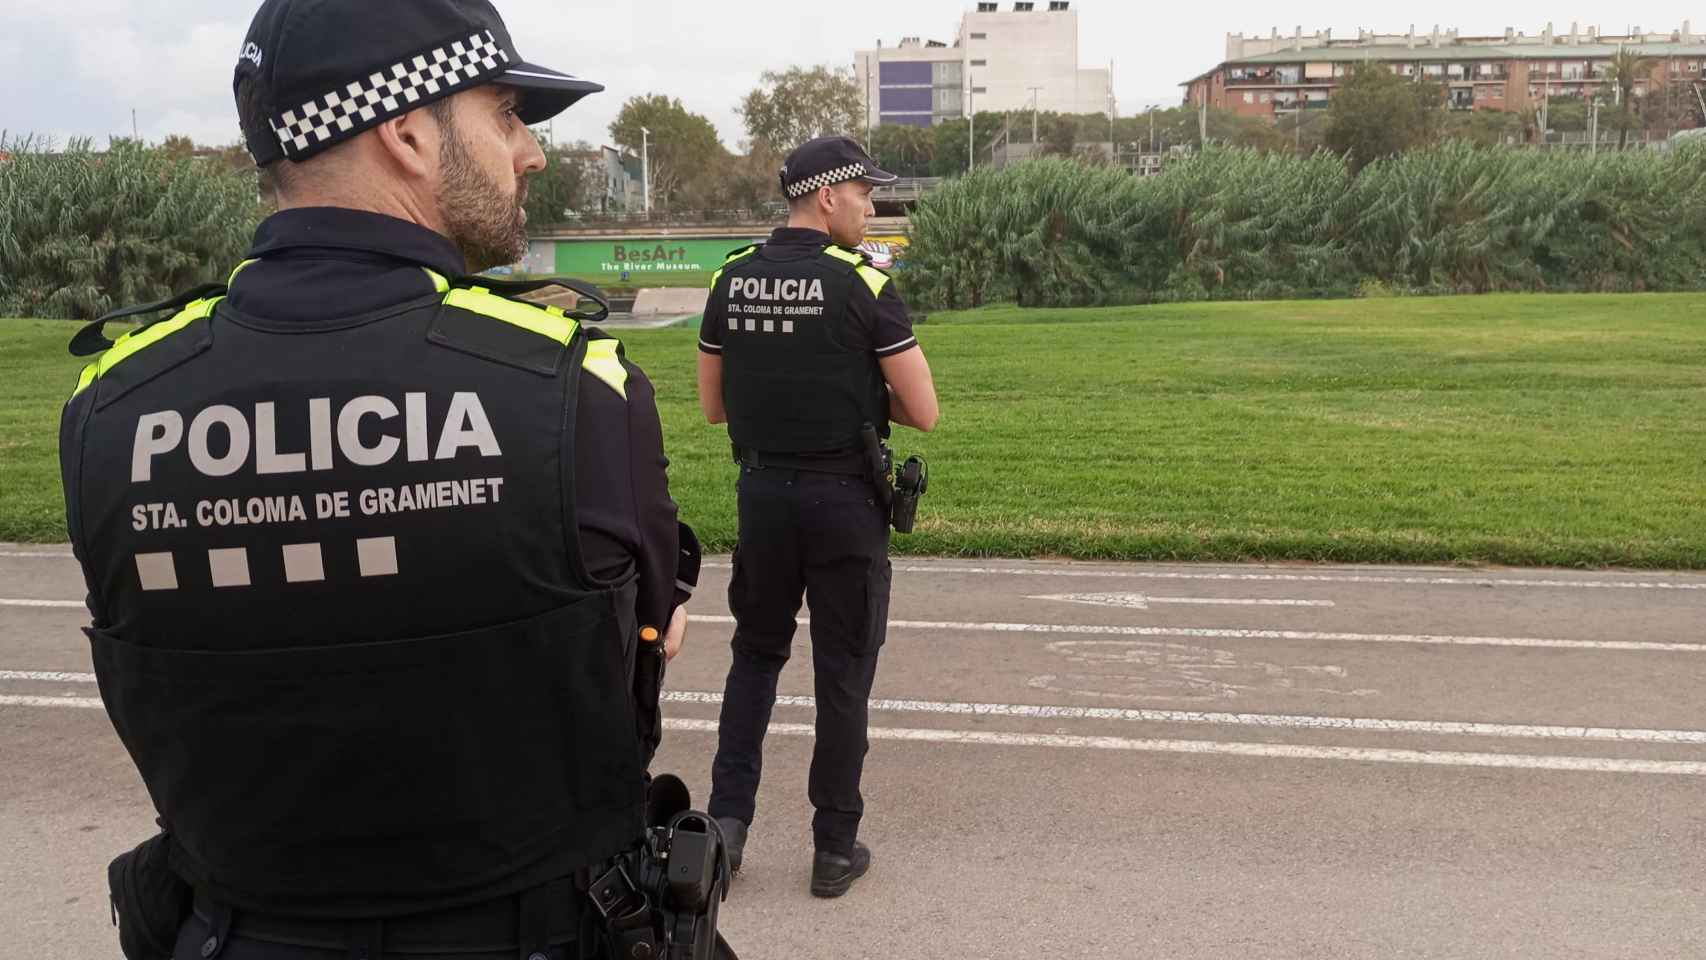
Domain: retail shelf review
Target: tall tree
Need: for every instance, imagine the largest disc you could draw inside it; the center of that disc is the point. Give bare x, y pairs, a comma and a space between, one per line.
903, 149
1627, 67
1376, 114
1486, 128
685, 153
796, 105
571, 183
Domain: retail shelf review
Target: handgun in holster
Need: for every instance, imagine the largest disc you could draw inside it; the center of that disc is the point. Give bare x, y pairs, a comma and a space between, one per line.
901, 490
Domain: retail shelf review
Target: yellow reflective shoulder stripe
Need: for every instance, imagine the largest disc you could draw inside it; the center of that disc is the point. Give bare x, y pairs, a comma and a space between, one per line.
841, 253
439, 282
142, 338
874, 278
603, 362
545, 321
731, 258
239, 269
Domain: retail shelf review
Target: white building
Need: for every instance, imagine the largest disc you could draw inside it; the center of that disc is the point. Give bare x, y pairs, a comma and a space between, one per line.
1000, 60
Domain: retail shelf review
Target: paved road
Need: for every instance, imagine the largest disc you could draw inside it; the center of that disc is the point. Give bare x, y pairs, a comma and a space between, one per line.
1117, 761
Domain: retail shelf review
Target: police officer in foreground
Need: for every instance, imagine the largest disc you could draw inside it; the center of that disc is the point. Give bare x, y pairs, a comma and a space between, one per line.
805, 348
374, 551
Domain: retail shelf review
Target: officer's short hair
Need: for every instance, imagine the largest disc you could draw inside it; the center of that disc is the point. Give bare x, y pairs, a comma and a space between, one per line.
283, 174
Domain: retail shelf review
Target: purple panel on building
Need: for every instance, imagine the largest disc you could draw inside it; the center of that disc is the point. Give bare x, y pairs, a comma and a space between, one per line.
904, 72
906, 99
910, 120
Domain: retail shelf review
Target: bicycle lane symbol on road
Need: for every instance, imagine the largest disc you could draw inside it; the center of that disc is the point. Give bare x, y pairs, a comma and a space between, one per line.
1151, 670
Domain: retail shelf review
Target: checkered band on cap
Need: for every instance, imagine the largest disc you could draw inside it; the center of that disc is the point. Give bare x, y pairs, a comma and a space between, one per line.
828, 178
388, 92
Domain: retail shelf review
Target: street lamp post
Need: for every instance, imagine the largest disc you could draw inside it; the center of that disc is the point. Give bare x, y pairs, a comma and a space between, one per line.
1034, 92
646, 167
971, 120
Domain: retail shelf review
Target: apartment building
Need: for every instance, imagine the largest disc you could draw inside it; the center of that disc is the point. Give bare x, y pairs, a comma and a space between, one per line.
1276, 75
999, 59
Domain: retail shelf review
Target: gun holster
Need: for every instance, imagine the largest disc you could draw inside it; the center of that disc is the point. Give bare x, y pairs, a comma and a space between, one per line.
149, 901
660, 900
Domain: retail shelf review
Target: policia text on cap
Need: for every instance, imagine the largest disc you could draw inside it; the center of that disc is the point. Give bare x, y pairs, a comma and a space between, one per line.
805, 350
406, 705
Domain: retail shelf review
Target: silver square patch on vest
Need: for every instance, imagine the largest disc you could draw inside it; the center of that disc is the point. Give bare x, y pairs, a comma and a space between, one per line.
156, 571
303, 563
377, 556
230, 567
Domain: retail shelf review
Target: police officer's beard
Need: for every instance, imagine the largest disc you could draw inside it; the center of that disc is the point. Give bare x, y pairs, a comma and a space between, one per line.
484, 221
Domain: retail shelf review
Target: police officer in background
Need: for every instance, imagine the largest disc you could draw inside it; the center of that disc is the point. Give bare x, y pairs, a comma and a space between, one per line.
373, 552
805, 343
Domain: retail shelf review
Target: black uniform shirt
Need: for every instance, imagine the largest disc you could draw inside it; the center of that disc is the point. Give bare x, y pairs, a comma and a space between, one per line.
879, 323
321, 264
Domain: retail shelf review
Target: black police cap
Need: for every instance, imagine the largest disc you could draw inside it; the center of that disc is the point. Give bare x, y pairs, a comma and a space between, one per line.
329, 69
827, 161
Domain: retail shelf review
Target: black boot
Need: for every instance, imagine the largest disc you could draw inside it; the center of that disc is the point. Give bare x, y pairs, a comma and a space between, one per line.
833, 874
734, 840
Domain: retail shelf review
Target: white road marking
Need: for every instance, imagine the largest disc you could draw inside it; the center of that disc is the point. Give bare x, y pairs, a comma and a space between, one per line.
1261, 750
1138, 601
1686, 768
1298, 577
1268, 721
87, 703
1085, 629
66, 604
36, 555
1134, 715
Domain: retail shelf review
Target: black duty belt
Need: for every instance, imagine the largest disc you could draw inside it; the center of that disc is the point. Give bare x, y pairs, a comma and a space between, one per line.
554, 911
851, 464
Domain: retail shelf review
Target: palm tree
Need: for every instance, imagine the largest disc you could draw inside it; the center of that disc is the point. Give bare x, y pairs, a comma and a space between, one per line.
1626, 69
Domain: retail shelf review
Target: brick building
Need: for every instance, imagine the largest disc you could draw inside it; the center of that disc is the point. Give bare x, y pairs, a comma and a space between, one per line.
1275, 76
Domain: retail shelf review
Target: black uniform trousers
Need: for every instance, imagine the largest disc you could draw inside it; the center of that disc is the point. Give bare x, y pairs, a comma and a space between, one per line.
826, 536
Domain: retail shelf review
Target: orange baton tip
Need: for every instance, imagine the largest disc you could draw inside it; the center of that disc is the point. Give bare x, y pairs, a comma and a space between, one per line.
649, 634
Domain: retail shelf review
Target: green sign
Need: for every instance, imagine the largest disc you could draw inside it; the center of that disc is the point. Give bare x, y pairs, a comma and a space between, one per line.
644, 255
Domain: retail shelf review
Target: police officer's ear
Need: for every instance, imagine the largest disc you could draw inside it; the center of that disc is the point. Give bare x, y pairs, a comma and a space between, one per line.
411, 142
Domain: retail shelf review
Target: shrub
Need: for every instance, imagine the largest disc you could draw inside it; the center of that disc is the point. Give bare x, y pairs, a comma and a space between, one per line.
1237, 224
83, 232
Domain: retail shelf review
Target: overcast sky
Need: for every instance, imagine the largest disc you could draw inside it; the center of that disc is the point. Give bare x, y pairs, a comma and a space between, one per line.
79, 67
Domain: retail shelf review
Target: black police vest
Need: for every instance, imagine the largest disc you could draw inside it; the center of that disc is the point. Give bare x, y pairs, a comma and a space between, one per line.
341, 620
791, 381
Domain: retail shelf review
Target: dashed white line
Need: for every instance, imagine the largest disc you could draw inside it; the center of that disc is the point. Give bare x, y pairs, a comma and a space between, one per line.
1139, 601
1299, 577
1086, 629
47, 676
1469, 728
1686, 768
36, 555
1137, 715
1200, 747
57, 604
86, 703
1264, 720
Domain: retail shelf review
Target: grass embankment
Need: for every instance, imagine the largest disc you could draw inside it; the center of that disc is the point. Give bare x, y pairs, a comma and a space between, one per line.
1512, 429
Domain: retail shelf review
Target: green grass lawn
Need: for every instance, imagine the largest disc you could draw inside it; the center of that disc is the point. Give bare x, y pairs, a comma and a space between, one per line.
1511, 429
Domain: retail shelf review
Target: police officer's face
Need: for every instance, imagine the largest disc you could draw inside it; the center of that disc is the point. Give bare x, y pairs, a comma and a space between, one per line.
850, 210
486, 154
